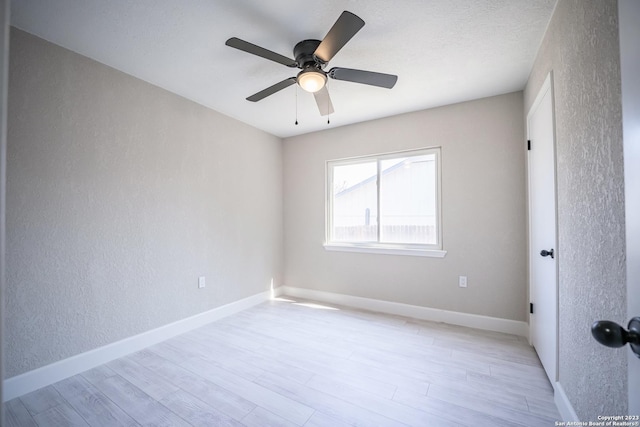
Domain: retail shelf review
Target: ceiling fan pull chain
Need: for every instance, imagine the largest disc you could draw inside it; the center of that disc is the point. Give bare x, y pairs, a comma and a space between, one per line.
328, 104
296, 105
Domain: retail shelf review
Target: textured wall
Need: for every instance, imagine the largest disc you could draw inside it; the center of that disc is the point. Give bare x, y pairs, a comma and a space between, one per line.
119, 196
483, 196
581, 47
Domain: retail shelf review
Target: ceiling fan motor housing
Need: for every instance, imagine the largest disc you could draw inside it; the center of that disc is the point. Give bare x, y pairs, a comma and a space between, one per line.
303, 52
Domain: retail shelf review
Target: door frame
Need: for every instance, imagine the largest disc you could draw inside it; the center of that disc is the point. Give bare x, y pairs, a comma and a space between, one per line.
547, 86
628, 16
4, 78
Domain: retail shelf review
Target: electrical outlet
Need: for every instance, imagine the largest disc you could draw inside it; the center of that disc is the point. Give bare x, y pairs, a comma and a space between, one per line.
201, 282
462, 281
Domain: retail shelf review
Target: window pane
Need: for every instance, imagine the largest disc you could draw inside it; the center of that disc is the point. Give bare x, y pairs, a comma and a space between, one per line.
355, 213
408, 200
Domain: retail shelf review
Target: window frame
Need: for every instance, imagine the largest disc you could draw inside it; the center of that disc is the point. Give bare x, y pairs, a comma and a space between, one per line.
412, 249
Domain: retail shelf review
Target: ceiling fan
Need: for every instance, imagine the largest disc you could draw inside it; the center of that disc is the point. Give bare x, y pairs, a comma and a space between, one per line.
312, 56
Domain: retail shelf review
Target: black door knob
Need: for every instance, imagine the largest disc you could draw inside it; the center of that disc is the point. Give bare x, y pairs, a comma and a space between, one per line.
545, 252
611, 334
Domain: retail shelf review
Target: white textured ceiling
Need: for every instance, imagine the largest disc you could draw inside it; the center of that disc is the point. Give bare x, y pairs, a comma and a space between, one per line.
443, 51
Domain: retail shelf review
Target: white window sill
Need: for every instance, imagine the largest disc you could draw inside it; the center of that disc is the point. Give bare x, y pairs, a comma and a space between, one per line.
385, 250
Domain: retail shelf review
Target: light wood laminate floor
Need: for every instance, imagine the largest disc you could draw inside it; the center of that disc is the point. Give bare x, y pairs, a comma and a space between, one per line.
289, 362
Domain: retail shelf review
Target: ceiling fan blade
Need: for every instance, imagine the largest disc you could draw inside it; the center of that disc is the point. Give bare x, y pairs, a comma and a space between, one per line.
260, 51
324, 101
272, 89
342, 31
364, 77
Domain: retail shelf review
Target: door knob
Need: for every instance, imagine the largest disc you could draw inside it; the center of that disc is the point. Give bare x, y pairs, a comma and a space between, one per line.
613, 335
545, 252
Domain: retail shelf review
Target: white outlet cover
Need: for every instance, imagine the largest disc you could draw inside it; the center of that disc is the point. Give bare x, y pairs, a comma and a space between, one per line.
462, 281
201, 282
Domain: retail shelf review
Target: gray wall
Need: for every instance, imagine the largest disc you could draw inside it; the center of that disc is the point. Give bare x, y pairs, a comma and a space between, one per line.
119, 195
483, 197
581, 47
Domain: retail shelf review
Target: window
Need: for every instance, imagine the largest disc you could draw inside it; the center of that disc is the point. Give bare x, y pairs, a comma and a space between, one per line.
387, 203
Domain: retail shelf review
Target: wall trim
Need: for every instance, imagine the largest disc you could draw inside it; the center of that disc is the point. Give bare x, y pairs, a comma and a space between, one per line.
417, 312
567, 413
57, 371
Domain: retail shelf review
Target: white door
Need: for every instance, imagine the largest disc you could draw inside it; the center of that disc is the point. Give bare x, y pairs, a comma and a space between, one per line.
629, 16
543, 293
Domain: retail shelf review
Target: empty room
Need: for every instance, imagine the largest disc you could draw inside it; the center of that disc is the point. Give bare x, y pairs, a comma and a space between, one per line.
332, 213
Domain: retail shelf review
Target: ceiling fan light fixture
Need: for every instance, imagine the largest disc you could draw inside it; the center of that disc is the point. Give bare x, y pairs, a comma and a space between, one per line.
311, 80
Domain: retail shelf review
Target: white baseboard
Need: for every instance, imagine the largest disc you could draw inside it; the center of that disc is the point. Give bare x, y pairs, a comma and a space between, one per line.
417, 312
561, 400
49, 374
